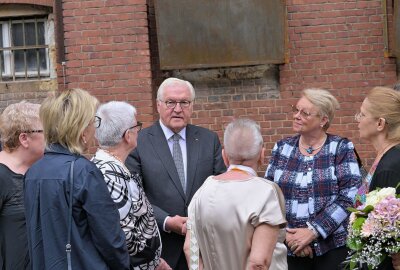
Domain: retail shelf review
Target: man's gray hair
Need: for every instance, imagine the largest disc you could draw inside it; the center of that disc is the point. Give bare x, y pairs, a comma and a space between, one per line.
174, 81
242, 140
116, 118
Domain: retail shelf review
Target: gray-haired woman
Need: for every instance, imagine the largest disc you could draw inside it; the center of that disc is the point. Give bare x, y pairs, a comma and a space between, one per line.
236, 219
117, 136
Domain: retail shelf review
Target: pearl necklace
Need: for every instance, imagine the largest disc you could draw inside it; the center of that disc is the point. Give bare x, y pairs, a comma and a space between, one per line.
116, 158
311, 149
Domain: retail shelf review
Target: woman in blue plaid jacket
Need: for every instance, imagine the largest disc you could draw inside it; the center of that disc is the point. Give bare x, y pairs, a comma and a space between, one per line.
319, 176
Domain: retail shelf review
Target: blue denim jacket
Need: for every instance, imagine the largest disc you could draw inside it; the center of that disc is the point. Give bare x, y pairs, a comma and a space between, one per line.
97, 239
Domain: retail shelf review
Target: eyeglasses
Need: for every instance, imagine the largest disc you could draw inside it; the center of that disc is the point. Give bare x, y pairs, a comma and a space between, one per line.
172, 103
358, 116
303, 114
138, 127
33, 131
97, 121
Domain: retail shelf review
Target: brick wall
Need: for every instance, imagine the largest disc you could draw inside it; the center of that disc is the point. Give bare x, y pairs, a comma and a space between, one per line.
107, 51
111, 50
337, 45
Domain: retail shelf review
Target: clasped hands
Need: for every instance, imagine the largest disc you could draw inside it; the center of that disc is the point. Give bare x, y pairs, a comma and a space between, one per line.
298, 240
176, 224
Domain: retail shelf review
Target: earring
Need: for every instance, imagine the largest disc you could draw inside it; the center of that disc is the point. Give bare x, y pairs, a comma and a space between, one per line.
84, 140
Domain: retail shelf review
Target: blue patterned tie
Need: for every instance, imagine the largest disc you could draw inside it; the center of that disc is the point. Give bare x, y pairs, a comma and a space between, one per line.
177, 155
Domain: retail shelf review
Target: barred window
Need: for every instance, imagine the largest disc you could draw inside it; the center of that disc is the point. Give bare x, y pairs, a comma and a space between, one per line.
24, 49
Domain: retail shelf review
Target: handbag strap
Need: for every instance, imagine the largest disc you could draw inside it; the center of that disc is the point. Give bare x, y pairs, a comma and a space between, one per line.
68, 245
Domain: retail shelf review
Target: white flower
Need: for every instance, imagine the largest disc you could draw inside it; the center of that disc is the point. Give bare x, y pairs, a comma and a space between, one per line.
374, 197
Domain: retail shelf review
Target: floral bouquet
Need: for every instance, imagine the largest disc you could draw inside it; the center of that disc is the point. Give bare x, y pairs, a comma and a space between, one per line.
374, 228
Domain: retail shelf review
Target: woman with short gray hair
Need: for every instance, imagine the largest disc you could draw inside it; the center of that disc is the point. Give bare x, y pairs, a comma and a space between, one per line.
117, 137
236, 219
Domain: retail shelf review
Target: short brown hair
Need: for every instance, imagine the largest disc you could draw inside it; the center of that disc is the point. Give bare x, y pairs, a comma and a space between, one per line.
14, 120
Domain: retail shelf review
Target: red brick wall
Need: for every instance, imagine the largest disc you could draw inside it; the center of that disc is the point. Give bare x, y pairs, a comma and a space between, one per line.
111, 50
337, 45
107, 51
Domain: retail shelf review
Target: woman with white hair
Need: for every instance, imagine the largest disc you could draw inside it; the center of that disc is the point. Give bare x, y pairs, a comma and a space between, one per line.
23, 144
117, 136
319, 176
236, 219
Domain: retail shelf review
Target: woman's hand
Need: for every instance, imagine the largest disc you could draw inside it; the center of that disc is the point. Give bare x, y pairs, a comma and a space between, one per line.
298, 238
305, 252
396, 261
163, 265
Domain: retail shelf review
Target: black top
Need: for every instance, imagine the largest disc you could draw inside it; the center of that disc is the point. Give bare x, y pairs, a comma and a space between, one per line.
387, 174
13, 241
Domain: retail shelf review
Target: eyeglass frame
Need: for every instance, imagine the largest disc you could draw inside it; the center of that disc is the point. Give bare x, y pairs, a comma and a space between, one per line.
97, 119
33, 131
358, 116
174, 103
138, 124
303, 114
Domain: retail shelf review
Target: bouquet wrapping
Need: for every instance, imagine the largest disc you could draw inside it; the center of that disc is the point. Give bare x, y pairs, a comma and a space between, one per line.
374, 228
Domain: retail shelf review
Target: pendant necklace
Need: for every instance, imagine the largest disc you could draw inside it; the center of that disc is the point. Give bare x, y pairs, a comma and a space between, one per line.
311, 149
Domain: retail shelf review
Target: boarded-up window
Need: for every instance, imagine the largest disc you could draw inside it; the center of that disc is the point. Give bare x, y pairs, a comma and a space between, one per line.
210, 33
396, 19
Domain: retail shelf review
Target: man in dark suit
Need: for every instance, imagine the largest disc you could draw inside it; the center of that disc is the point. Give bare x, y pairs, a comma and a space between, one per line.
174, 166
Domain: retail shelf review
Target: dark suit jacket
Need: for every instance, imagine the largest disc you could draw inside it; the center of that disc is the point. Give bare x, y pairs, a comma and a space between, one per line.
152, 158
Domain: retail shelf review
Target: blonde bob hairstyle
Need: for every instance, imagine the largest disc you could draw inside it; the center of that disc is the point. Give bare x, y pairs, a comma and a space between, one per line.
385, 103
17, 118
65, 117
326, 103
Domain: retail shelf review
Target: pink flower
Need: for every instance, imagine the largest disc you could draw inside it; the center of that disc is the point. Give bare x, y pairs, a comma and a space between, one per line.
368, 228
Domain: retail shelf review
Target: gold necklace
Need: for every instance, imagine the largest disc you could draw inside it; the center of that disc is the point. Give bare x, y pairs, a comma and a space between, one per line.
311, 149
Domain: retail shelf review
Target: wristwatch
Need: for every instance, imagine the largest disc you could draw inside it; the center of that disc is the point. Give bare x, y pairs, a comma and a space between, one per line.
312, 229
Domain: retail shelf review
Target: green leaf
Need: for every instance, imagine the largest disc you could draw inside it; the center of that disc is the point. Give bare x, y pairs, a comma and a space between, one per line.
368, 209
353, 245
357, 224
352, 265
352, 209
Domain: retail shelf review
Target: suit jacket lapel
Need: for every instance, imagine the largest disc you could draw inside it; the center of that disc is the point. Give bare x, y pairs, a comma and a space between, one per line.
192, 148
162, 149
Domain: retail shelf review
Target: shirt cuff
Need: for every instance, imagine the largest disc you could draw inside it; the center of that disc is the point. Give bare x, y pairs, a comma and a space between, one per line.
165, 223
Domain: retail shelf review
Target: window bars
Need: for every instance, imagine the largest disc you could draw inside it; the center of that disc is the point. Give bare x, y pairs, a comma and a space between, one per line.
24, 50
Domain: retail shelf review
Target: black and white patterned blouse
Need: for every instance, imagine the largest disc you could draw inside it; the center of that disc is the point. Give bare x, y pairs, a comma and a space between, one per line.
136, 214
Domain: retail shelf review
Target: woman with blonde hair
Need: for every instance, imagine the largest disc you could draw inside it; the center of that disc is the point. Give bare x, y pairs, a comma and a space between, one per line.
319, 176
379, 124
95, 236
23, 144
